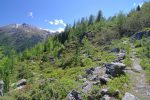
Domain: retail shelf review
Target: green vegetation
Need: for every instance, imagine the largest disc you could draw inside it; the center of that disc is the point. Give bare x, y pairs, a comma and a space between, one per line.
52, 67
119, 84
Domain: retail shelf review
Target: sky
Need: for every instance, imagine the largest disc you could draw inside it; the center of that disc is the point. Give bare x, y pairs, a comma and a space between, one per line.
55, 14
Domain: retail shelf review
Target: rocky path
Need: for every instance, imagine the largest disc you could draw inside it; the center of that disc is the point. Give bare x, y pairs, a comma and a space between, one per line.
140, 87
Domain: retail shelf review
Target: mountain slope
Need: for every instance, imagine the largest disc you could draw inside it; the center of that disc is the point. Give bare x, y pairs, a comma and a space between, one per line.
79, 60
22, 36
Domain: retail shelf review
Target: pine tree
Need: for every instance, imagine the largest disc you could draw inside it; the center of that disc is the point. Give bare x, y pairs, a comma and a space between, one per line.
138, 8
99, 16
91, 20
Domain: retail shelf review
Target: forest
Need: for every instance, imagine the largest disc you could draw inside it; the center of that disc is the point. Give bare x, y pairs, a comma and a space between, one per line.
51, 69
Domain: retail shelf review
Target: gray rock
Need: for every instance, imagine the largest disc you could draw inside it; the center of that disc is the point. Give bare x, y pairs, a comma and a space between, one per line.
74, 95
121, 56
104, 91
115, 50
21, 82
51, 79
104, 79
106, 97
94, 78
1, 87
129, 96
114, 70
138, 36
118, 64
99, 71
87, 87
84, 84
90, 71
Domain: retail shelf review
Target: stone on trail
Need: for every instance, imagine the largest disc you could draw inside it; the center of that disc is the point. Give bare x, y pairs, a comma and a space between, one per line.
129, 96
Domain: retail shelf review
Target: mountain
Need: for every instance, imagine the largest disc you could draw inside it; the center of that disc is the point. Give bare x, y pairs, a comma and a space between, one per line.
94, 59
22, 36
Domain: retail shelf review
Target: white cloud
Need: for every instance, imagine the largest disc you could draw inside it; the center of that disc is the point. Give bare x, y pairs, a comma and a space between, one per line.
57, 30
135, 4
50, 22
56, 22
30, 14
60, 30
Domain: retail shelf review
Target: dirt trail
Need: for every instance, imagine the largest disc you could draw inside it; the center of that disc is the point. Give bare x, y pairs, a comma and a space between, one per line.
140, 87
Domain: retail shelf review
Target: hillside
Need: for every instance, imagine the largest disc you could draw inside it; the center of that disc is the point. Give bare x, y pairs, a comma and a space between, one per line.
94, 59
22, 36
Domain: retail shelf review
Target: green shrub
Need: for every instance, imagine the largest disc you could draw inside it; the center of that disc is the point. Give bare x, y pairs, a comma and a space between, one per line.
118, 84
145, 63
128, 62
87, 62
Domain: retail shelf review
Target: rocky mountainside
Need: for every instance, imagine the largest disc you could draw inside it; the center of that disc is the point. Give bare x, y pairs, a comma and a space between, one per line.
92, 60
22, 36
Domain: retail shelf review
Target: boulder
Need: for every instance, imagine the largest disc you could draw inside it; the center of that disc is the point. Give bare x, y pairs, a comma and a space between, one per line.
104, 91
114, 70
121, 56
107, 92
74, 95
88, 86
118, 64
104, 79
21, 82
117, 50
137, 36
51, 79
129, 96
99, 71
1, 87
93, 78
106, 97
90, 71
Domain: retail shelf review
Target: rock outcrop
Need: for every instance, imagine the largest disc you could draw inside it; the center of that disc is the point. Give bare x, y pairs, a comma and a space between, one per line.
139, 35
74, 95
1, 87
114, 70
117, 50
21, 82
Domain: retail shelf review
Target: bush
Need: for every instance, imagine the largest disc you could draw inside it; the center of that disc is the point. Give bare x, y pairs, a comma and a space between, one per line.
145, 63
117, 84
128, 62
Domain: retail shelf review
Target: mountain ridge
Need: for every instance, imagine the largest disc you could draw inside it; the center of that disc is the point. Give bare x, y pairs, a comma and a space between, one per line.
20, 35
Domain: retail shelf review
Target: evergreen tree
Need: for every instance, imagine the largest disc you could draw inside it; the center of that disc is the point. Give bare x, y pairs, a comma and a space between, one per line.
91, 20
99, 16
138, 8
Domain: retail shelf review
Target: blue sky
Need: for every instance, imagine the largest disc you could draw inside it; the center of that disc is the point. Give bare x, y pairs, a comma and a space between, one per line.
55, 14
